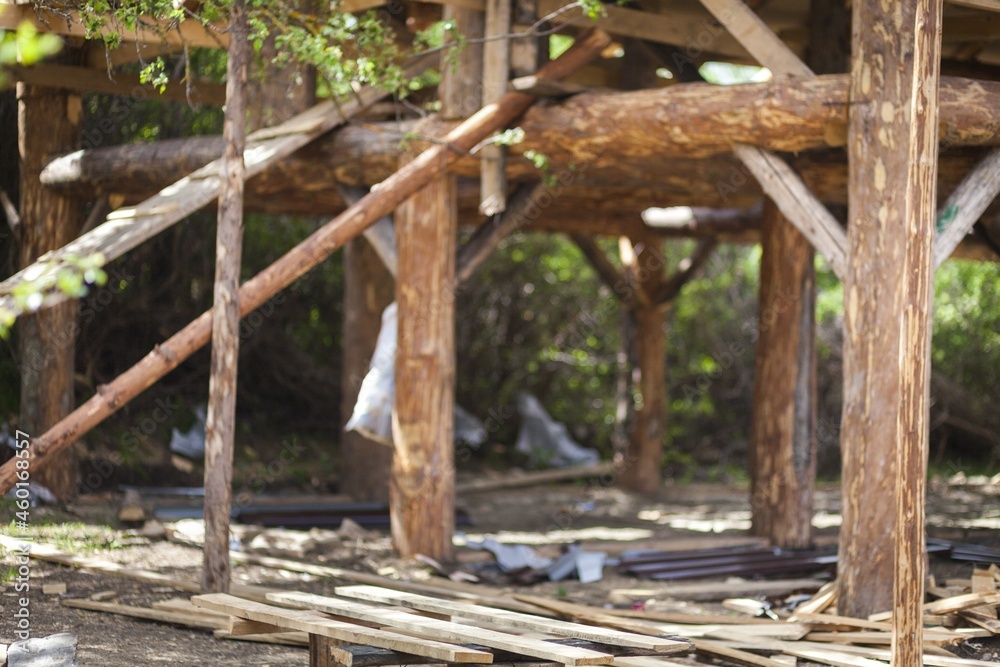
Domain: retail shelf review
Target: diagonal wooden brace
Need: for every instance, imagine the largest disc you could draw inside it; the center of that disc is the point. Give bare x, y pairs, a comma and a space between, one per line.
798, 204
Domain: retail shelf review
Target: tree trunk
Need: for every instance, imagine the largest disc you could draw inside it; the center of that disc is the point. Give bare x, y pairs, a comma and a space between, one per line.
893, 158
422, 507
220, 425
783, 430
49, 124
365, 465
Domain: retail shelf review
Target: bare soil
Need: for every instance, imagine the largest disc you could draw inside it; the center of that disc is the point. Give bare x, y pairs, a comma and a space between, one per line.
599, 517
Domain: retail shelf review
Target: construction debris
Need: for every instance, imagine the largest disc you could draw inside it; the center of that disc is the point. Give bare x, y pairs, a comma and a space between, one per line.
53, 651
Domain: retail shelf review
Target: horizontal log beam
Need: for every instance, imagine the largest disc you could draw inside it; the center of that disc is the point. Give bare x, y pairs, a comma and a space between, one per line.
90, 80
641, 134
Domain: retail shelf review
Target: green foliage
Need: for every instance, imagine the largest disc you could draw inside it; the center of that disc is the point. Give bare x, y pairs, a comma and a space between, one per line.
25, 46
73, 278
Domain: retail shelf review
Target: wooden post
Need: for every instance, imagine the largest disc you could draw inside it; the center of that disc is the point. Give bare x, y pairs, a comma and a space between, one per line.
422, 491
892, 149
365, 465
783, 429
644, 460
48, 123
917, 288
221, 422
496, 73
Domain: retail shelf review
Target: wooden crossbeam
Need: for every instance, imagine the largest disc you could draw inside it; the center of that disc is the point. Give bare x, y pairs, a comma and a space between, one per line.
512, 619
90, 80
69, 23
126, 228
798, 204
757, 38
306, 621
966, 205
445, 630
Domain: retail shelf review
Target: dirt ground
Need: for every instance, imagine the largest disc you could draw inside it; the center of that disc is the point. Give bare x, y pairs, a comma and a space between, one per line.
601, 518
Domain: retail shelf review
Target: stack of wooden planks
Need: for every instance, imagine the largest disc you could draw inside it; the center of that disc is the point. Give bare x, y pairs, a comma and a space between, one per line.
378, 622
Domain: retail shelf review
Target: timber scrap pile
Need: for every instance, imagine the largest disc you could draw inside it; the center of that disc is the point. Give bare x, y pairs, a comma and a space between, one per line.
390, 624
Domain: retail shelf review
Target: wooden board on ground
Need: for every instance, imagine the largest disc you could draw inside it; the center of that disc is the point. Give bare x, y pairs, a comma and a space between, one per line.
284, 638
512, 619
446, 630
178, 617
305, 621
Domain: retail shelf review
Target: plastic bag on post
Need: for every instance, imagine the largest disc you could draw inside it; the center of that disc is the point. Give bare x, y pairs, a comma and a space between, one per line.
372, 414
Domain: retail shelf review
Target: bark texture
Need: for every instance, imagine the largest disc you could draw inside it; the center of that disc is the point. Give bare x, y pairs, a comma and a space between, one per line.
220, 426
422, 491
783, 429
48, 124
893, 160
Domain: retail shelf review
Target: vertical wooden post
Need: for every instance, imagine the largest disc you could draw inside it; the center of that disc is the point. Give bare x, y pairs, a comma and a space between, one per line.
892, 149
783, 429
221, 421
365, 465
460, 90
919, 222
423, 473
496, 73
48, 124
644, 464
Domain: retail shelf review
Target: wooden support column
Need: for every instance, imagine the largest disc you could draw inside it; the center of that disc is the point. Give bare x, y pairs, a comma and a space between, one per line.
496, 73
892, 149
644, 461
220, 425
365, 465
783, 430
783, 440
422, 506
48, 124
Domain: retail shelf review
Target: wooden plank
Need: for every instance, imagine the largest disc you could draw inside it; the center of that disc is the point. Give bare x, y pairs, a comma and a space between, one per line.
882, 654
184, 605
512, 619
538, 478
306, 621
757, 38
716, 649
68, 22
948, 605
284, 638
798, 204
819, 602
91, 80
445, 630
239, 627
986, 620
125, 228
178, 617
883, 638
50, 554
966, 205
